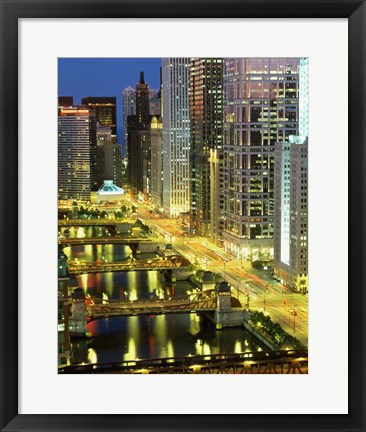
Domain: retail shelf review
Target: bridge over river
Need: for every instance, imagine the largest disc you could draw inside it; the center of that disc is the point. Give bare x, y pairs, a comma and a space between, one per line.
103, 240
93, 222
257, 362
195, 303
77, 267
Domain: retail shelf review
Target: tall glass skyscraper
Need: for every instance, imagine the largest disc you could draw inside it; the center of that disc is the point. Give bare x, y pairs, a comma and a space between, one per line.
206, 114
291, 198
176, 136
129, 108
261, 108
77, 153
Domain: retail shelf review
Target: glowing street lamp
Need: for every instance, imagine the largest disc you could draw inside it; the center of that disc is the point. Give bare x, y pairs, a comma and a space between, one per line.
294, 313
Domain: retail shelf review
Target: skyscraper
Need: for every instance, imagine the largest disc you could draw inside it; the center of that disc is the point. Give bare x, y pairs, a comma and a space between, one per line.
129, 108
109, 157
156, 139
291, 214
291, 198
261, 108
142, 100
77, 153
154, 102
176, 136
105, 110
206, 122
139, 151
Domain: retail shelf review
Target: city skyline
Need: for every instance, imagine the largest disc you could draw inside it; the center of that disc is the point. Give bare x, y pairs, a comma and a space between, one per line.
84, 77
206, 217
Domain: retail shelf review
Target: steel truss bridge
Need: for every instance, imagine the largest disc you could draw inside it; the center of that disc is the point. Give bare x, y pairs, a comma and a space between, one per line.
258, 362
195, 303
103, 240
92, 222
77, 268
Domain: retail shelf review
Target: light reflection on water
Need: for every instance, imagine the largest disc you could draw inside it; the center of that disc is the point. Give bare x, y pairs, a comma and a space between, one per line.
128, 338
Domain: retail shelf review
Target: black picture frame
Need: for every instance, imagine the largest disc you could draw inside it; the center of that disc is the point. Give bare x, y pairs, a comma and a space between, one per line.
11, 11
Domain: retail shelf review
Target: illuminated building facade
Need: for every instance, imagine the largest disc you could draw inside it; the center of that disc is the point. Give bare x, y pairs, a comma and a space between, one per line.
109, 192
63, 311
77, 153
104, 134
291, 198
291, 213
156, 137
261, 108
129, 108
206, 125
176, 136
105, 110
154, 102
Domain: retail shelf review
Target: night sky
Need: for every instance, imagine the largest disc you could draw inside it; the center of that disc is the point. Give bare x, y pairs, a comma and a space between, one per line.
83, 77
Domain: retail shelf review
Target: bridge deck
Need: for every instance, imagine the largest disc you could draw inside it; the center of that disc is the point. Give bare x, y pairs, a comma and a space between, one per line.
103, 240
77, 268
93, 222
149, 307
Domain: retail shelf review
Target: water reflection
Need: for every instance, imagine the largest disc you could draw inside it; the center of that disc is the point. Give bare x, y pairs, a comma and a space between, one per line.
128, 338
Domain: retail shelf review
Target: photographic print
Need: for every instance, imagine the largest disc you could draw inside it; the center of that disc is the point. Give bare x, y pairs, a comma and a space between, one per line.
183, 215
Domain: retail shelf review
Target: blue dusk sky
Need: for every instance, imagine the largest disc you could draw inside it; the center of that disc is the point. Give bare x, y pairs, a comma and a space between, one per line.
83, 77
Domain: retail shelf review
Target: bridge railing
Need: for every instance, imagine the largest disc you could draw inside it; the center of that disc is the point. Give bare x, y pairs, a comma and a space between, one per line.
195, 296
101, 311
186, 361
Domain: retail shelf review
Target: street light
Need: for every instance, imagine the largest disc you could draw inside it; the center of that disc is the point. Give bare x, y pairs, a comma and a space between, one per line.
294, 313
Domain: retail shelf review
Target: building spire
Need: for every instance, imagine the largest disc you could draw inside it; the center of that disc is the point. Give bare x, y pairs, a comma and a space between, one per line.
142, 80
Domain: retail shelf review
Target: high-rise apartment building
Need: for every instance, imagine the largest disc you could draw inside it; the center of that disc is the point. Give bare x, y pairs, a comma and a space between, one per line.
77, 153
176, 136
206, 123
129, 108
261, 108
105, 110
156, 139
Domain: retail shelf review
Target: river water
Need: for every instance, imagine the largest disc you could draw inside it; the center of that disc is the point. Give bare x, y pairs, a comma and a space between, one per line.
129, 338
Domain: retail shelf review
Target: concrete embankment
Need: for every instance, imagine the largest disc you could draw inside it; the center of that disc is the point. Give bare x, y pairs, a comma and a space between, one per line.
258, 336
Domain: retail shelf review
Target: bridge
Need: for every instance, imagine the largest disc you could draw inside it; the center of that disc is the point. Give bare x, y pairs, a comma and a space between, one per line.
198, 302
77, 267
93, 222
102, 240
255, 362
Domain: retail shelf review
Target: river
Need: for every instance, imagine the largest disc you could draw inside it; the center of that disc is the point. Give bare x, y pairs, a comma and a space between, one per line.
129, 338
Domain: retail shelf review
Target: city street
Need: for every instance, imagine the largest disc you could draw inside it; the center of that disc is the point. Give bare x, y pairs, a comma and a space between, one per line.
252, 286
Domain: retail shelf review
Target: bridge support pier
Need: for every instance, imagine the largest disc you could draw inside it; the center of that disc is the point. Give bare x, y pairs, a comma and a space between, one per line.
77, 321
225, 316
